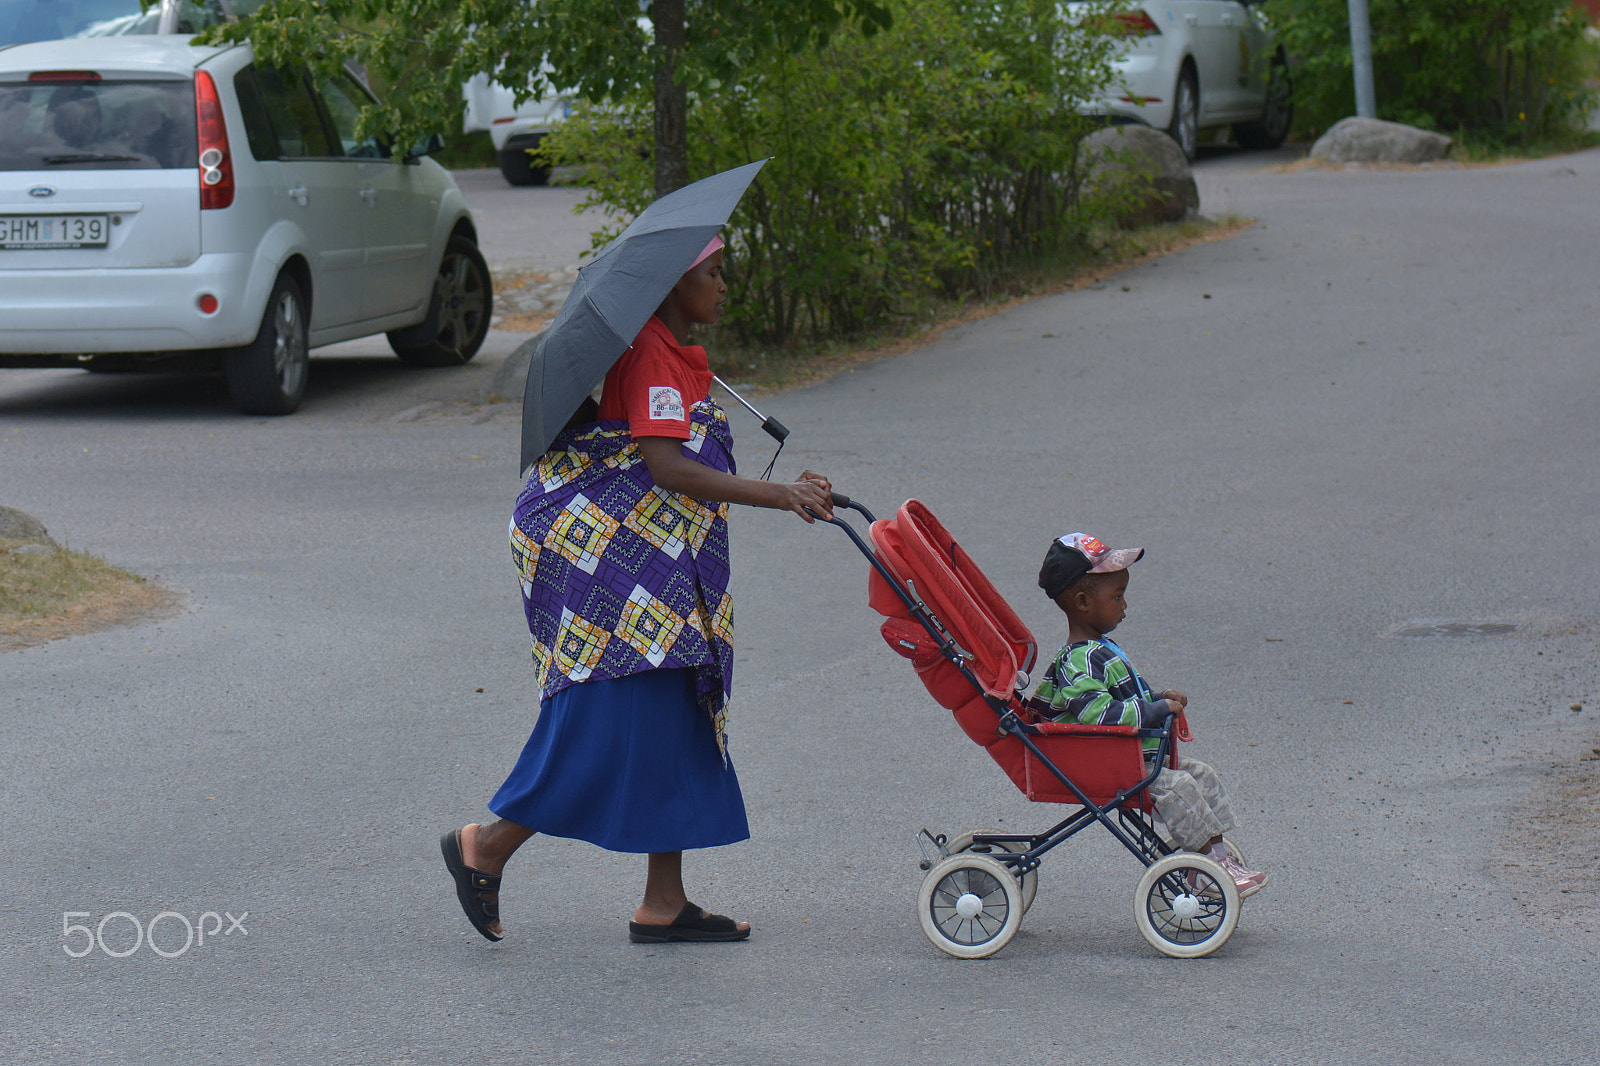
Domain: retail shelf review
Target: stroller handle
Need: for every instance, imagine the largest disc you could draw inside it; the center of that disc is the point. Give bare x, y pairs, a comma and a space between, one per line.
839, 499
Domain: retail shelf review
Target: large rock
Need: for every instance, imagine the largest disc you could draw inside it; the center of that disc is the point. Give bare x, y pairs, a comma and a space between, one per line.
1143, 167
510, 378
1372, 140
20, 525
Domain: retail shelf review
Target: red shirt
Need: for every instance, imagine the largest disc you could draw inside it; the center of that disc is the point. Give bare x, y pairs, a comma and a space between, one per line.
655, 383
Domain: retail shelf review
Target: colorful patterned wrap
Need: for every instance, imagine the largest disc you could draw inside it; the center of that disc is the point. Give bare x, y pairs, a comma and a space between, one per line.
620, 576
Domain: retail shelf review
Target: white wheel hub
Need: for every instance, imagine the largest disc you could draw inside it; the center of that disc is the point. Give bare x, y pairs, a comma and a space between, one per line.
968, 906
1185, 906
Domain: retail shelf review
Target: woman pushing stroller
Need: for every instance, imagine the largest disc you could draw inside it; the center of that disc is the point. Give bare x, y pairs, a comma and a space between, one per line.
621, 543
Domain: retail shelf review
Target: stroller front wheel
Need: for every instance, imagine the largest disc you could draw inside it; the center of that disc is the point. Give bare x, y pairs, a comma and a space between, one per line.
970, 906
1186, 905
962, 842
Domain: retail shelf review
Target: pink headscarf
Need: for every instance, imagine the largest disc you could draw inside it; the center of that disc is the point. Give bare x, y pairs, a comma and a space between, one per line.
716, 243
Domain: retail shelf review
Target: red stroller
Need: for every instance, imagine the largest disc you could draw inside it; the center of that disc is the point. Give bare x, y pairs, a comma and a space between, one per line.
973, 653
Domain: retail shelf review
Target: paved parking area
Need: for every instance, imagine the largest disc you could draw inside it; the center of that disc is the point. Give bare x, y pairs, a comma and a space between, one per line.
1373, 413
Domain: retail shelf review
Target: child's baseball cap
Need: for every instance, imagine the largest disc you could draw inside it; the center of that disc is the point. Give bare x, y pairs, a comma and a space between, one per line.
1076, 554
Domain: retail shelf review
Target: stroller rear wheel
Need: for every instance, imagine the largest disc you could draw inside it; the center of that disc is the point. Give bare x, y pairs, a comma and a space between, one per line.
970, 906
962, 843
1186, 905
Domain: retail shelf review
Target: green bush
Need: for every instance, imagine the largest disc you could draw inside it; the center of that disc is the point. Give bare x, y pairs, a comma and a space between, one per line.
1510, 71
925, 160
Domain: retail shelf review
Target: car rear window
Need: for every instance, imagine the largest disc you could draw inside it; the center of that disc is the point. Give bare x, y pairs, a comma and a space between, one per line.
22, 21
97, 125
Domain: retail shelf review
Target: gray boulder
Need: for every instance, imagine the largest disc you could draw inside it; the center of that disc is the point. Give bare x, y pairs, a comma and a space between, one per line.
1144, 169
1372, 140
20, 525
510, 378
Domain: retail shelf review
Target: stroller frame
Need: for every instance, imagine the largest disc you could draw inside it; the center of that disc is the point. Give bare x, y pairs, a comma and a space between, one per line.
979, 884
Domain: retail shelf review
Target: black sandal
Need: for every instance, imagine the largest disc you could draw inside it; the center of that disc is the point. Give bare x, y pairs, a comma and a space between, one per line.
692, 925
472, 887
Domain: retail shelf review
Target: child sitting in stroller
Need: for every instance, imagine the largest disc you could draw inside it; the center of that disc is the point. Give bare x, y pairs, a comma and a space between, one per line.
1092, 682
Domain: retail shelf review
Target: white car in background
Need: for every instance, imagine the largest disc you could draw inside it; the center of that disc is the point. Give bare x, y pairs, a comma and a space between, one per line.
25, 21
163, 203
1189, 65
515, 130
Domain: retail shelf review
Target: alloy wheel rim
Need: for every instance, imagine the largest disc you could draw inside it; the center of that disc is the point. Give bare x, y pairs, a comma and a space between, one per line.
1188, 117
288, 345
1279, 93
461, 302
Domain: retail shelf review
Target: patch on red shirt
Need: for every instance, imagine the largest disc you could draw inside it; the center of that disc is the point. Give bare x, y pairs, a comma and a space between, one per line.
666, 403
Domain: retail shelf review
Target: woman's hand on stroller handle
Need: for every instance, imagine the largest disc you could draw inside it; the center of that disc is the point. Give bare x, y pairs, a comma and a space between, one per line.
811, 497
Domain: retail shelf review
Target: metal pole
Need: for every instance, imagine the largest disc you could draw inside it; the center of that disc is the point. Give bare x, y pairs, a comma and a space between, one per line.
1361, 59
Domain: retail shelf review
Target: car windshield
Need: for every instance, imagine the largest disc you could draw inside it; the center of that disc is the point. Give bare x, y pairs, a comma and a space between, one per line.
23, 21
97, 125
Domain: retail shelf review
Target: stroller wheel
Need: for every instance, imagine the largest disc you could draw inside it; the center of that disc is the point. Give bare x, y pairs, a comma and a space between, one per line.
962, 843
970, 906
1186, 905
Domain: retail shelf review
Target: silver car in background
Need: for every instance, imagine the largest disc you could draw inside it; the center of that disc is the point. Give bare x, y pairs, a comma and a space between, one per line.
1188, 65
165, 203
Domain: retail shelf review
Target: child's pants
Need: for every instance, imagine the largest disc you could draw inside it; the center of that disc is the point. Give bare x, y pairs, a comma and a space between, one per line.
1193, 803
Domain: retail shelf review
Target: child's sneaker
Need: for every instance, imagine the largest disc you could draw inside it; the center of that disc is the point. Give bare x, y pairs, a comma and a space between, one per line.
1249, 881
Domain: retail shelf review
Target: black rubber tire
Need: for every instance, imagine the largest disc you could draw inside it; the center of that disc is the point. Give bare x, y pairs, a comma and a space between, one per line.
1185, 125
268, 376
458, 312
516, 166
1278, 119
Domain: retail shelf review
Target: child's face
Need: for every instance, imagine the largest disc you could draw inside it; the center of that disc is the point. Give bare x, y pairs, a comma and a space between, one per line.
701, 294
1102, 605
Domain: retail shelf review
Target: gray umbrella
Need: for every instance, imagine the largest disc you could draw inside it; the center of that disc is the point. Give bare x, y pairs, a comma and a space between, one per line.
615, 295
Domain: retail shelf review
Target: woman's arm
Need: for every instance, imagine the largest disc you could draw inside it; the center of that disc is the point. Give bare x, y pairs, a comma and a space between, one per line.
676, 472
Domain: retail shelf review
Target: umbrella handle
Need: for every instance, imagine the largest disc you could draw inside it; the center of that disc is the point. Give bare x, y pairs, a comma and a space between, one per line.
775, 429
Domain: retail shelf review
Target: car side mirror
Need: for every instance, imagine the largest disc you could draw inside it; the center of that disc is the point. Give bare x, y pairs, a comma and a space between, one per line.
429, 145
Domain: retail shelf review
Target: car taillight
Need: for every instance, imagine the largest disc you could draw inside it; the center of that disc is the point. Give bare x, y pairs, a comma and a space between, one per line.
216, 166
1134, 24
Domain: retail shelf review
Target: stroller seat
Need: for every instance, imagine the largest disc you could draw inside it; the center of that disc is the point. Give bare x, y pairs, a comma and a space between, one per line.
1102, 759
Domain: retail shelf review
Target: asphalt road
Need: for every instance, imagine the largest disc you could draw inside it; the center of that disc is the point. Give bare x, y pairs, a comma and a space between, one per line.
1377, 407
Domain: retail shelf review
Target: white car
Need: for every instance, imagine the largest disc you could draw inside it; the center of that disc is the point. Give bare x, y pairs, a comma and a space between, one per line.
166, 203
515, 131
1189, 65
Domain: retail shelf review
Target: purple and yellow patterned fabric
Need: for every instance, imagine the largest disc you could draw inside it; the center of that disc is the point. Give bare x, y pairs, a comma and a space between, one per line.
620, 576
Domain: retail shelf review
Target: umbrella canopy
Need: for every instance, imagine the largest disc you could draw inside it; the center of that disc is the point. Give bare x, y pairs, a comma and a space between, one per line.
615, 295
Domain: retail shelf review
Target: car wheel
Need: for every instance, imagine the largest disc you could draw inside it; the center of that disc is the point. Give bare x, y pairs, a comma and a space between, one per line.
1277, 114
1185, 126
516, 166
458, 313
268, 375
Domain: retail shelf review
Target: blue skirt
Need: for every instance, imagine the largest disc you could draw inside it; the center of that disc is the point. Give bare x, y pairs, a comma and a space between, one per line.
630, 764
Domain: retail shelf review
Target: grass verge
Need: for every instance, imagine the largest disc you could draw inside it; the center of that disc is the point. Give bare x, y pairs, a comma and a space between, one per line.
48, 595
1111, 251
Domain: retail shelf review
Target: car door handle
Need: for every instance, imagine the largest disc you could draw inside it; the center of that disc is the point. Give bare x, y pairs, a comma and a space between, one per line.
298, 192
1193, 20
1227, 20
370, 196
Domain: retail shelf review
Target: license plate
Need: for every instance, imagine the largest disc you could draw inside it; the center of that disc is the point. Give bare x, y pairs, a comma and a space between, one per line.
53, 231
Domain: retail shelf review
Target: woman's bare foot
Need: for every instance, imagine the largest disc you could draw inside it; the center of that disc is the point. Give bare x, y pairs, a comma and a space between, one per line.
664, 897
656, 916
478, 857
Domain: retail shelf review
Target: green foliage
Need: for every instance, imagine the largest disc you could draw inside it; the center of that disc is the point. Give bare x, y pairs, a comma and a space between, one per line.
1510, 71
422, 51
924, 160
